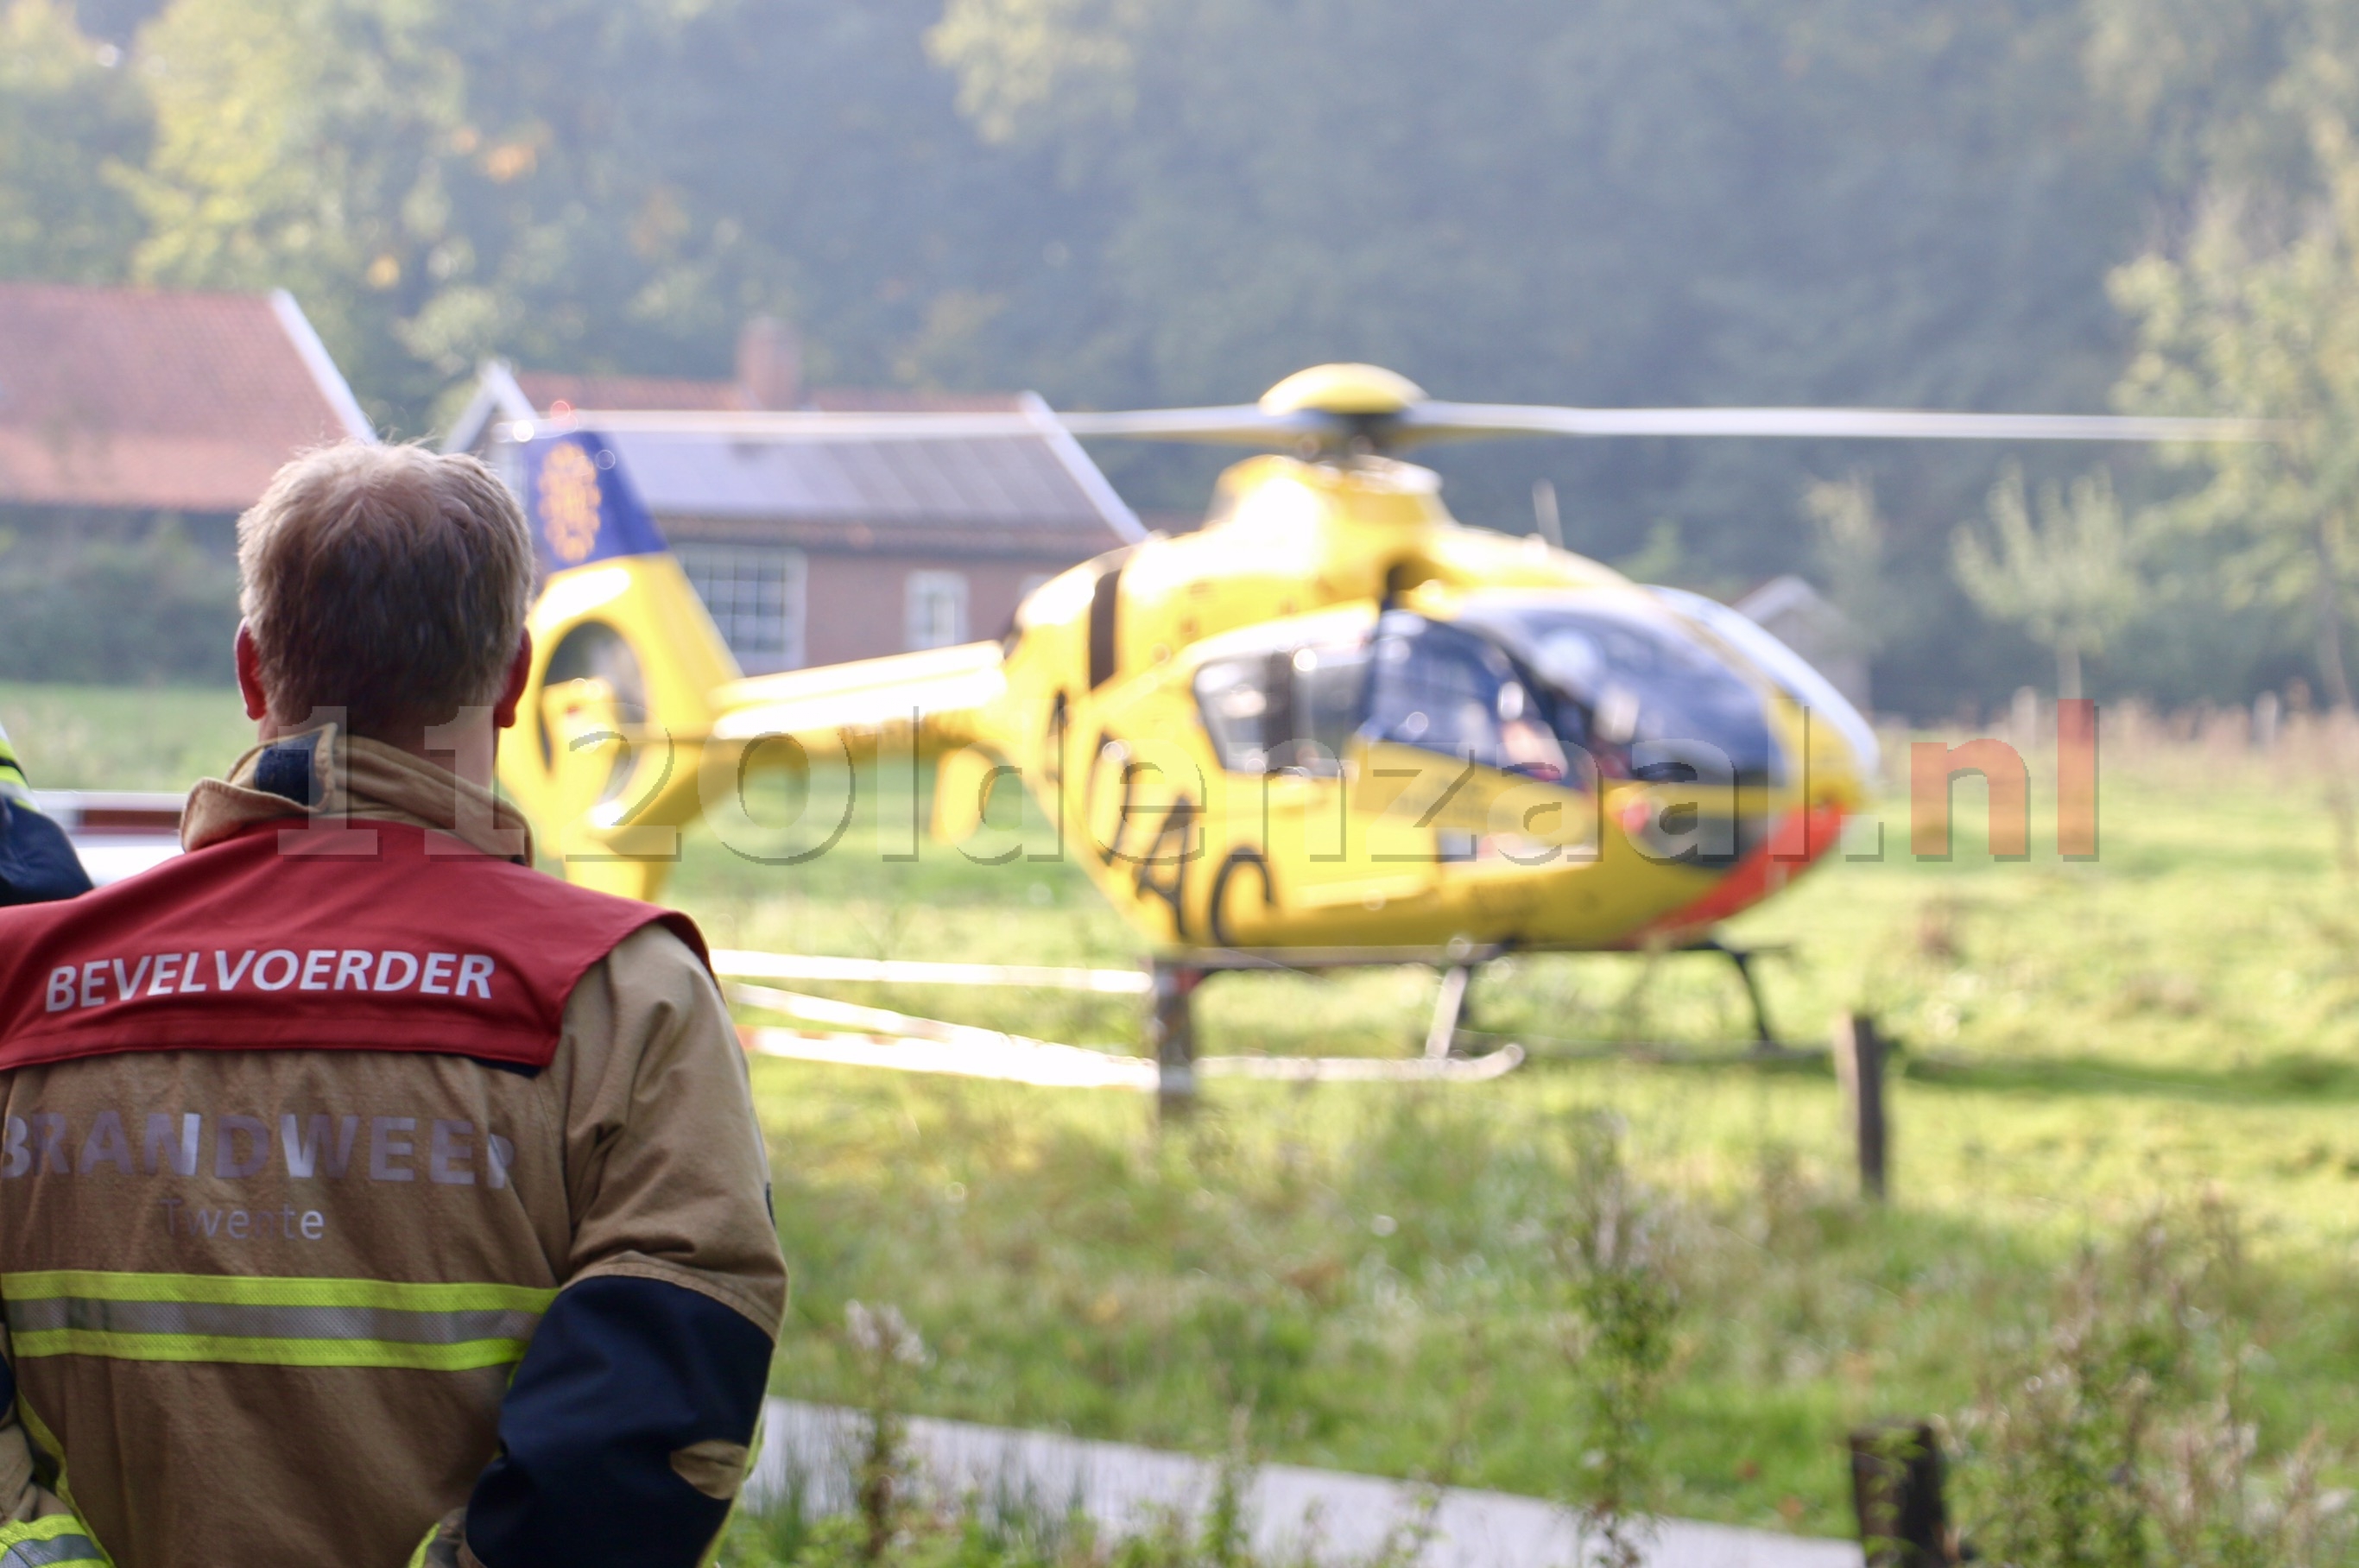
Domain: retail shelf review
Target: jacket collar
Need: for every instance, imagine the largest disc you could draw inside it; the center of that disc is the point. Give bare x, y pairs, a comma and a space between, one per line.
325, 772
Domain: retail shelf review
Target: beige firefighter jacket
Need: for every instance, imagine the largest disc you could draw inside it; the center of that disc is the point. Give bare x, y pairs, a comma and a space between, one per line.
234, 1421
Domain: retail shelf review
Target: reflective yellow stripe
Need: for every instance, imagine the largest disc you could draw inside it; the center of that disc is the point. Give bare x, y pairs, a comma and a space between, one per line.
50, 1451
53, 1543
417, 1558
265, 1320
270, 1291
255, 1352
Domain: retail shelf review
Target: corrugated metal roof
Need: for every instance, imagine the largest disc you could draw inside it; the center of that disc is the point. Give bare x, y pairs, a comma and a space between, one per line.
547, 389
1018, 493
1014, 482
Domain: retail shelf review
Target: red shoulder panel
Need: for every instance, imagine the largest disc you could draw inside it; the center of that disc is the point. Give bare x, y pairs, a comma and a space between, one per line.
410, 942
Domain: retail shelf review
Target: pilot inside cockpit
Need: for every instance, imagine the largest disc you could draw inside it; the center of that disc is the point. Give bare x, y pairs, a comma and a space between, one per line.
1441, 689
1526, 745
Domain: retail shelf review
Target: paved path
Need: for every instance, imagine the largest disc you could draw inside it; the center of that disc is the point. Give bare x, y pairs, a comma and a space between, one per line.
1337, 1518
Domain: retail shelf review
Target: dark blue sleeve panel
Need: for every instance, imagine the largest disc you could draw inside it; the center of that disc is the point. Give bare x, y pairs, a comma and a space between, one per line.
622, 1374
38, 862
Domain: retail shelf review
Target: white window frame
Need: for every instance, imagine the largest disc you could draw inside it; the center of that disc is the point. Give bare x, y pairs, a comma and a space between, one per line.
758, 596
934, 610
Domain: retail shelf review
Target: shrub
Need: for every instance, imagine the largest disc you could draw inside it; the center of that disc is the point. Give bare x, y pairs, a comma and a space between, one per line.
130, 607
2121, 1440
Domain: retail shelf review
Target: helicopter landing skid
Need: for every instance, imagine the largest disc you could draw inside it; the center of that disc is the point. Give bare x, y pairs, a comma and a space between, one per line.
1764, 1041
871, 1036
1175, 976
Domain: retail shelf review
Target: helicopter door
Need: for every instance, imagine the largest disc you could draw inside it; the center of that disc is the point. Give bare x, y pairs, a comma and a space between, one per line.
1293, 716
1321, 850
1457, 757
1285, 718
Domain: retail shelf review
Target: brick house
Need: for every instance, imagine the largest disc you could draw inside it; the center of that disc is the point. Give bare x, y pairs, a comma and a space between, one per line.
817, 552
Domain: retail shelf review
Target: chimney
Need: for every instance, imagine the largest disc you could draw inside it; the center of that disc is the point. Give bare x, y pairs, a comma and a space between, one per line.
769, 363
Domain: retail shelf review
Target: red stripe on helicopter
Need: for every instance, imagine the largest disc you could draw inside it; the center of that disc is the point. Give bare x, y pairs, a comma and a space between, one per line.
1791, 849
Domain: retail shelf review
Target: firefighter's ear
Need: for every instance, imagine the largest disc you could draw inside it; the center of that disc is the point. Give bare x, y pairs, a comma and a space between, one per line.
249, 675
504, 712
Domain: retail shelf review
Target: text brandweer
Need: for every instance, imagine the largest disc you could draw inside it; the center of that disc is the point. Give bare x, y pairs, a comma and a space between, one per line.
445, 1151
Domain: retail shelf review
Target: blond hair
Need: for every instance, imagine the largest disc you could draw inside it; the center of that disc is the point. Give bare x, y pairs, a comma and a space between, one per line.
388, 581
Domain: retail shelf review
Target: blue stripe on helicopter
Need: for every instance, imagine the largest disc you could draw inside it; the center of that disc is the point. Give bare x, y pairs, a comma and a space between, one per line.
581, 506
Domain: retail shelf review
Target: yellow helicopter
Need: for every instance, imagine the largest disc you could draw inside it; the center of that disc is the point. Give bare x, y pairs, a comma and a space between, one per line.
1332, 726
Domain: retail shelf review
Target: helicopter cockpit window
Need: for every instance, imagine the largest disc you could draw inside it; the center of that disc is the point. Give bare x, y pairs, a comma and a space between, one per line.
1289, 709
1247, 709
1443, 689
1331, 682
1621, 680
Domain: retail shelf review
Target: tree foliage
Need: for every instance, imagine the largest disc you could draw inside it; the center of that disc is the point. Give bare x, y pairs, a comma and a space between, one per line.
582, 184
69, 124
1141, 201
2250, 322
2071, 579
1634, 202
120, 605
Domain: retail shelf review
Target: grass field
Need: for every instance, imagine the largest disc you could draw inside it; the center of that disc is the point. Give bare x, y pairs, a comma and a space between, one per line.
1376, 1271
1376, 1274
105, 737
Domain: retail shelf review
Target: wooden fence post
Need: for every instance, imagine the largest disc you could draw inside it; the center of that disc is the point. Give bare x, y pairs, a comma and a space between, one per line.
1895, 1488
1171, 1030
1859, 1067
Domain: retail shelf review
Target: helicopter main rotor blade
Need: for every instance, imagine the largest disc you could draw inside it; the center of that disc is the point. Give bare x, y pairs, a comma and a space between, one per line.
1470, 422
1240, 425
808, 426
1244, 424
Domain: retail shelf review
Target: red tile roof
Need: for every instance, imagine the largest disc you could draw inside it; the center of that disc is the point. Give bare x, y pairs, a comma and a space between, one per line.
149, 400
547, 389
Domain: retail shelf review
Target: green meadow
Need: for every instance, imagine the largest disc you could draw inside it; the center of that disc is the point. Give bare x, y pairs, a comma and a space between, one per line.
2165, 1036
124, 737
1375, 1276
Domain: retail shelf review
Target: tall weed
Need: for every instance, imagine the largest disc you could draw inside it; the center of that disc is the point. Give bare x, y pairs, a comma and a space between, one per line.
1616, 1252
2119, 1438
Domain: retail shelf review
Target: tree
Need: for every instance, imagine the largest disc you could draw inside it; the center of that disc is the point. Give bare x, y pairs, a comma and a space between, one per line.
585, 184
2071, 579
1624, 201
1124, 203
2259, 316
71, 124
1851, 546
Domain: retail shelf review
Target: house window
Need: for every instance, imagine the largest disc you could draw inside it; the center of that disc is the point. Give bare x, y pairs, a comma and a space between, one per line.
756, 594
937, 609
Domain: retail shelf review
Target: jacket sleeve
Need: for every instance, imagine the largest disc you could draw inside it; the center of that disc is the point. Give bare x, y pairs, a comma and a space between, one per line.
38, 862
626, 1430
36, 1525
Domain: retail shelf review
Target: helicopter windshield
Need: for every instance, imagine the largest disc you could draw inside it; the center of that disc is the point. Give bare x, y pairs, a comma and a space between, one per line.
1442, 687
1526, 685
1622, 680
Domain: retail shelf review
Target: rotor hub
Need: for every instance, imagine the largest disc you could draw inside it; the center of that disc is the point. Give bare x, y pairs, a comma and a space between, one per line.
1351, 409
1349, 392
